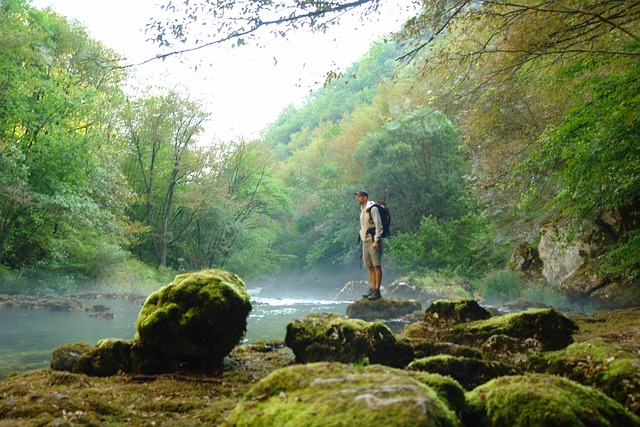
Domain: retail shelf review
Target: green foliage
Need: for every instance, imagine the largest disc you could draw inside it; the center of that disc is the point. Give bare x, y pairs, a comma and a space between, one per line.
500, 286
439, 245
57, 185
415, 164
623, 258
331, 102
592, 157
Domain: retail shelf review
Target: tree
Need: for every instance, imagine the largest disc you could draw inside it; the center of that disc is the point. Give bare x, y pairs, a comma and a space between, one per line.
415, 162
237, 22
246, 208
162, 131
60, 195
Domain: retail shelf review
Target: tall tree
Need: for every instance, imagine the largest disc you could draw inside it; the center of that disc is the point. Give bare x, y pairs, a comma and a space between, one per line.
248, 205
162, 132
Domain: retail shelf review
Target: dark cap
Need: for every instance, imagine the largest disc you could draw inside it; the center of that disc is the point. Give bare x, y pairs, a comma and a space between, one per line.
361, 193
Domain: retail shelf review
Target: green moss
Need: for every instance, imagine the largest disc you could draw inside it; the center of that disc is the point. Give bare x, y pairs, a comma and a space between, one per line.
333, 394
551, 328
597, 363
381, 309
196, 320
469, 372
445, 312
448, 389
331, 337
541, 401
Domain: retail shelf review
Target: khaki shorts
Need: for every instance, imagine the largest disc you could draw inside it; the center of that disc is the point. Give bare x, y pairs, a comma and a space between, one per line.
371, 257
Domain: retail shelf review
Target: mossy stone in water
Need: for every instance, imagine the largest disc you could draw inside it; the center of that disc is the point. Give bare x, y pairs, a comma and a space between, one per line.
334, 394
197, 319
329, 337
543, 401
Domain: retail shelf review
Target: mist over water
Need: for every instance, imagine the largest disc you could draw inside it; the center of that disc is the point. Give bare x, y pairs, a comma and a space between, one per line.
27, 337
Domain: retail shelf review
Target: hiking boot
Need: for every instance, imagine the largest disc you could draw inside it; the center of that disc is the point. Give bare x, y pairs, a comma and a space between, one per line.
368, 294
375, 295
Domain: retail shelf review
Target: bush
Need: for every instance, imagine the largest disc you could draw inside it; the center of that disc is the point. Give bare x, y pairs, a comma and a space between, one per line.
501, 286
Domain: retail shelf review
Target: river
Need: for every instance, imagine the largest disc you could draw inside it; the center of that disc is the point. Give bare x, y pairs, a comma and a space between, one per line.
27, 337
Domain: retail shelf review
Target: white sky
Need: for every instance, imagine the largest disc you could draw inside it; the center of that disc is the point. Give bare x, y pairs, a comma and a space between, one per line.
244, 88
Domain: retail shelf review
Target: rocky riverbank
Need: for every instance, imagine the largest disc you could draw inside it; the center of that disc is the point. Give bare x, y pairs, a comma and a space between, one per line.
46, 397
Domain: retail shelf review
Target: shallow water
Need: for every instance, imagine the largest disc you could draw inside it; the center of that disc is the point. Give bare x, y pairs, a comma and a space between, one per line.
27, 337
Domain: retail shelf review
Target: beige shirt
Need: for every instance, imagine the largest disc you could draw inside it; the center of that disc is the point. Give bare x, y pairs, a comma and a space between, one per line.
365, 224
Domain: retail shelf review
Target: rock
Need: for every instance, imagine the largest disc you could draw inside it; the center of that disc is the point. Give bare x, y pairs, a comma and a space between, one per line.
599, 364
333, 394
526, 259
196, 320
514, 351
426, 348
108, 358
551, 328
447, 313
66, 356
448, 389
331, 337
469, 372
571, 261
383, 308
543, 400
352, 290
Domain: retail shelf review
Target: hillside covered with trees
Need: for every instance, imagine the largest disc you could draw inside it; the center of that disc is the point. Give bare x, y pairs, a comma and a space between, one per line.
479, 123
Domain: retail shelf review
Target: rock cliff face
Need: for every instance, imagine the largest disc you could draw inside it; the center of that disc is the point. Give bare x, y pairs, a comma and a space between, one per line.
569, 260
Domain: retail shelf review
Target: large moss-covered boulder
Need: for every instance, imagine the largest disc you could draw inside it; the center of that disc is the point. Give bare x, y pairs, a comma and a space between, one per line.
543, 401
447, 313
469, 372
330, 337
196, 320
383, 308
551, 328
334, 394
596, 363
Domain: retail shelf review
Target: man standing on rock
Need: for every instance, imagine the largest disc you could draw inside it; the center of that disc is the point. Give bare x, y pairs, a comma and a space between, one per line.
371, 236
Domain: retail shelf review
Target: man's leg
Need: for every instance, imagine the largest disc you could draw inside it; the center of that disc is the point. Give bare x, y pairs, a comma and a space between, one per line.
377, 272
372, 278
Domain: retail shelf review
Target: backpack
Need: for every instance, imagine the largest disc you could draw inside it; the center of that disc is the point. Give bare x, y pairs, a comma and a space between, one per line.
385, 217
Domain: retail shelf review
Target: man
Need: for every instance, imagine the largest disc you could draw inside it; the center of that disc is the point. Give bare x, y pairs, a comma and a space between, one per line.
371, 236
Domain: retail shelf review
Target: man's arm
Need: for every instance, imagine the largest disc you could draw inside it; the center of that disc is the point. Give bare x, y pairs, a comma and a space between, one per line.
377, 222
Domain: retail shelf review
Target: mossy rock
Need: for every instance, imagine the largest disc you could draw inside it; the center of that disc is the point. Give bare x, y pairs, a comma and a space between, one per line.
383, 308
596, 363
196, 320
448, 313
426, 348
329, 337
66, 356
420, 330
551, 328
448, 389
543, 401
334, 394
469, 372
510, 350
108, 358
